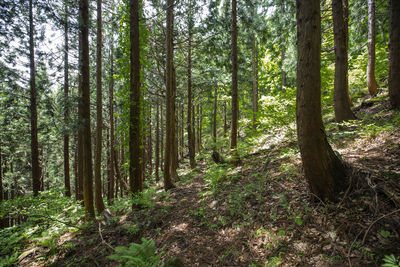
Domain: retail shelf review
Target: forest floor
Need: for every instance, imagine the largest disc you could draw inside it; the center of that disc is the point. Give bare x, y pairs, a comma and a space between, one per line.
261, 213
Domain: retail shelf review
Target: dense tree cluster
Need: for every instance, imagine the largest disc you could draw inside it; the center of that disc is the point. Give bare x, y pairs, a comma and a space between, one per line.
179, 74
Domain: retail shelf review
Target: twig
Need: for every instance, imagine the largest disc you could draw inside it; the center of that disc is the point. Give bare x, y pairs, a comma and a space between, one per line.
352, 244
347, 192
383, 216
102, 239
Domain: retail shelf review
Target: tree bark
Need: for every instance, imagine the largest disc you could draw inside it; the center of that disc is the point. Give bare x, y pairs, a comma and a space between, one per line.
198, 128
342, 103
113, 166
67, 178
394, 54
225, 122
84, 70
323, 170
254, 63
2, 219
135, 170
76, 182
235, 101
190, 104
99, 118
150, 146
371, 81
157, 172
174, 162
182, 133
161, 137
194, 127
215, 120
170, 97
33, 107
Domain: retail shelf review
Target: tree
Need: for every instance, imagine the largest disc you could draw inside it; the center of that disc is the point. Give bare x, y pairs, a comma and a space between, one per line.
394, 54
99, 118
189, 92
84, 71
169, 98
2, 220
33, 108
135, 170
254, 72
67, 179
110, 189
341, 87
371, 81
214, 133
157, 168
235, 101
323, 170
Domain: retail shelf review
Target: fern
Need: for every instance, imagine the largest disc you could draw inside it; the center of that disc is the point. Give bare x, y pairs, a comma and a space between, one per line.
137, 255
391, 261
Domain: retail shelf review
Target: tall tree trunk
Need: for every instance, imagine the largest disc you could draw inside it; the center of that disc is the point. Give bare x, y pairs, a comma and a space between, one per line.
235, 101
76, 183
283, 72
225, 122
6, 218
67, 179
113, 167
170, 98
341, 86
135, 170
200, 125
157, 172
161, 137
190, 104
80, 129
254, 63
198, 128
182, 141
323, 170
150, 146
2, 219
84, 70
215, 120
371, 82
394, 54
33, 108
174, 162
99, 118
194, 127
110, 194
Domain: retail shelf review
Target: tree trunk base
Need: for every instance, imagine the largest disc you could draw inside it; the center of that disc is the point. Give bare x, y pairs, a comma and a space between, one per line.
217, 158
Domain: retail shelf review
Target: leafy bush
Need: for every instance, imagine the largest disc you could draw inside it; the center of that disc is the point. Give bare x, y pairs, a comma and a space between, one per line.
137, 255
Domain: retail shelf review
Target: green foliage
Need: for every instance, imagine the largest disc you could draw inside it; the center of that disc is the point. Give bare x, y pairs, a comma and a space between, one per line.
391, 261
44, 219
278, 110
138, 255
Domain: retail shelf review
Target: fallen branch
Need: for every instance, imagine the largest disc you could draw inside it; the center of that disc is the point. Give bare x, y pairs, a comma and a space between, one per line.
380, 218
102, 239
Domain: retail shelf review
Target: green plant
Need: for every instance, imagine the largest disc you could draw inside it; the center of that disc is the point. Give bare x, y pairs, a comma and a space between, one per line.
137, 255
384, 233
391, 261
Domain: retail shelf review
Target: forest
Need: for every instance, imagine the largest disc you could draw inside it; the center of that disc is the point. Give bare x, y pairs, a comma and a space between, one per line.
200, 133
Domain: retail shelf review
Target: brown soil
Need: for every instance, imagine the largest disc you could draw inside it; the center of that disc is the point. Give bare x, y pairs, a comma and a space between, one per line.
261, 213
